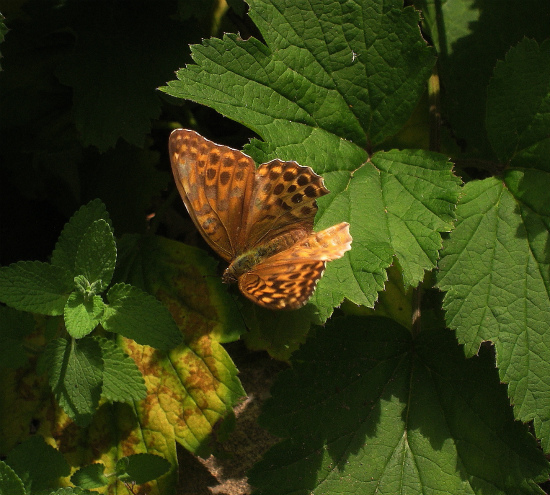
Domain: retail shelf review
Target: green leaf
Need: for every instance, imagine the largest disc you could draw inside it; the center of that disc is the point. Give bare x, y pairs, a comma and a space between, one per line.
96, 255
37, 463
410, 198
198, 379
191, 391
10, 483
14, 327
470, 37
518, 102
83, 313
278, 332
186, 280
139, 316
141, 468
496, 266
377, 411
75, 375
113, 92
495, 269
304, 79
69, 490
35, 286
67, 246
122, 380
91, 476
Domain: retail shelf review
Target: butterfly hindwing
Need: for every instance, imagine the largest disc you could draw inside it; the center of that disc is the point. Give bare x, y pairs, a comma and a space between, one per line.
287, 279
285, 285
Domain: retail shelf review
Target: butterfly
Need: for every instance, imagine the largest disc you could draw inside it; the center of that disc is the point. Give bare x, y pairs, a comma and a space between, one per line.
260, 220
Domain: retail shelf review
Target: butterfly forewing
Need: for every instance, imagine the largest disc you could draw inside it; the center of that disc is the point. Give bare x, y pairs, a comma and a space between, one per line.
215, 183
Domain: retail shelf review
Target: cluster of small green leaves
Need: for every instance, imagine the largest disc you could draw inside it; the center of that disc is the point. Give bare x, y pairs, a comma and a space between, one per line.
33, 467
81, 367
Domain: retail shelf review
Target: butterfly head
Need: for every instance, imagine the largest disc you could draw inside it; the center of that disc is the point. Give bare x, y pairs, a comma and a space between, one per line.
229, 276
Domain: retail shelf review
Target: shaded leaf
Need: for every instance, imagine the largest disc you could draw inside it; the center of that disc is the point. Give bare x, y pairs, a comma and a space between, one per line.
10, 483
518, 112
139, 316
66, 248
470, 37
3, 31
496, 264
128, 180
141, 468
75, 372
279, 333
377, 411
70, 490
186, 280
37, 463
91, 476
14, 327
35, 286
113, 94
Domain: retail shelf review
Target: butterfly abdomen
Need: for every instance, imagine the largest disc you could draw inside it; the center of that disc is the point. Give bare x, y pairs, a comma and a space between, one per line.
247, 261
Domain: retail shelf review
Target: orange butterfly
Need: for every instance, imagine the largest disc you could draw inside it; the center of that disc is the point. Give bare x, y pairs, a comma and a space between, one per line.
259, 220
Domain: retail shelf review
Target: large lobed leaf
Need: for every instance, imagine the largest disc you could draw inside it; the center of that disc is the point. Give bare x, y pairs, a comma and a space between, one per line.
496, 263
380, 412
335, 78
195, 385
327, 65
397, 204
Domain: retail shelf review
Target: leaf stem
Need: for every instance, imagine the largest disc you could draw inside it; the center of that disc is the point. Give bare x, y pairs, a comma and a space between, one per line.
435, 111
